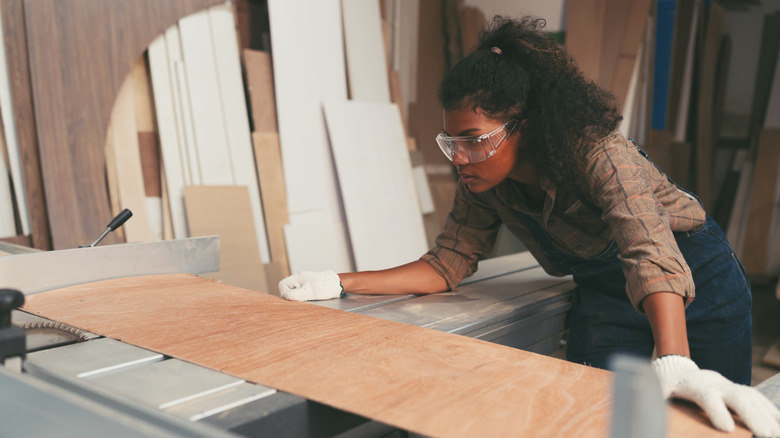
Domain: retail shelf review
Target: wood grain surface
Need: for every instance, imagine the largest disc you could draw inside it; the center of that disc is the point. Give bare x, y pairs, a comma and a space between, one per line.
418, 379
15, 40
80, 51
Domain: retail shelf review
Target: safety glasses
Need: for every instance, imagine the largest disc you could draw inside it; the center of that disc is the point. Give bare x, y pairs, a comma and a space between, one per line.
474, 148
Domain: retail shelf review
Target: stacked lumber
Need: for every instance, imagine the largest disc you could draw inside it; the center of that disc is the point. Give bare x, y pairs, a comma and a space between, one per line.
191, 123
674, 101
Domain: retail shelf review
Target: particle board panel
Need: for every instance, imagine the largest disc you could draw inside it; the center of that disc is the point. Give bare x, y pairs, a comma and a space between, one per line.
23, 127
79, 53
260, 84
269, 168
377, 184
129, 172
234, 110
226, 211
301, 83
420, 380
365, 51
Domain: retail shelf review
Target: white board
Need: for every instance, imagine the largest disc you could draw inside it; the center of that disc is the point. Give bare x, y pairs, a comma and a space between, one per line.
377, 185
169, 131
308, 65
365, 47
318, 238
234, 110
208, 120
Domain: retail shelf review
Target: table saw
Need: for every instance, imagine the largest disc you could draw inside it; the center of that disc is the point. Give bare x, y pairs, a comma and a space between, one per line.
94, 384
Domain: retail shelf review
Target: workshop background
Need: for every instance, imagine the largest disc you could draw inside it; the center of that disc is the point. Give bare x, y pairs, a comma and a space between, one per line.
305, 138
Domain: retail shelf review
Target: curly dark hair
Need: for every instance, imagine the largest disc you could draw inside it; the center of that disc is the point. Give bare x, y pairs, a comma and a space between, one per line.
518, 72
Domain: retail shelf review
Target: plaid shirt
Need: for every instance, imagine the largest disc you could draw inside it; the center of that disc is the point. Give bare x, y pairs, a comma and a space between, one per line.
640, 209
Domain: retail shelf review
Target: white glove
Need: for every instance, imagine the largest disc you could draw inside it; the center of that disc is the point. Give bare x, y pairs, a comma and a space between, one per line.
681, 377
309, 286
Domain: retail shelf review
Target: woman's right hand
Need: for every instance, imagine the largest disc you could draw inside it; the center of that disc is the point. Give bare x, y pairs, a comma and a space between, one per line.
311, 286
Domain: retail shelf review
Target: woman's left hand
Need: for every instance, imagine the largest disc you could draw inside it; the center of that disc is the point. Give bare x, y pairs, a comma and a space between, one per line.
681, 377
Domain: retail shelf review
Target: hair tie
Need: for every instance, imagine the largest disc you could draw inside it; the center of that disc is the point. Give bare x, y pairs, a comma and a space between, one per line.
496, 50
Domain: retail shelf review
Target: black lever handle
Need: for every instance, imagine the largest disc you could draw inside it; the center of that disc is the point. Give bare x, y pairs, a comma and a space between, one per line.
10, 299
120, 219
115, 223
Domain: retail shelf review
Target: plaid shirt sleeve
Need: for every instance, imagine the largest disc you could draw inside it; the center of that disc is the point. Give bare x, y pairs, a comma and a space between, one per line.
623, 185
469, 233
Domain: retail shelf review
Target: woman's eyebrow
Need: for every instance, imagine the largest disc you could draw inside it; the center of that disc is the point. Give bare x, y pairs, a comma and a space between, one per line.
463, 133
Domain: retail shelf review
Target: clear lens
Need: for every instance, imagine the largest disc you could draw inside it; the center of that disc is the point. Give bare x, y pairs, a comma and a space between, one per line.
473, 148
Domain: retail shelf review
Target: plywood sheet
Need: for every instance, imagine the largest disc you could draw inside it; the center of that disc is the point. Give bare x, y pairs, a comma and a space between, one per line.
365, 51
225, 211
377, 185
308, 67
421, 380
77, 63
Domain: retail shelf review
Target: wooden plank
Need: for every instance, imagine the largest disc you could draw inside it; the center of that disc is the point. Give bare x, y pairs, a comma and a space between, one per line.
208, 119
260, 83
301, 83
705, 129
684, 24
181, 94
762, 209
172, 148
585, 34
23, 125
150, 163
365, 51
376, 182
421, 380
80, 52
11, 155
111, 181
269, 168
165, 204
681, 124
7, 220
129, 173
239, 262
234, 110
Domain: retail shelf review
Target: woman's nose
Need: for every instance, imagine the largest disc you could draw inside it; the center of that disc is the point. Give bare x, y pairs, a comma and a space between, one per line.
459, 159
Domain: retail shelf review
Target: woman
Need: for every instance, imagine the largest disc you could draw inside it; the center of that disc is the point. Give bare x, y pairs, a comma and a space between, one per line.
536, 148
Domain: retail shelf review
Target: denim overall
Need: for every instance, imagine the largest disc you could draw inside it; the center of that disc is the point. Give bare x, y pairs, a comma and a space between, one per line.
603, 321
